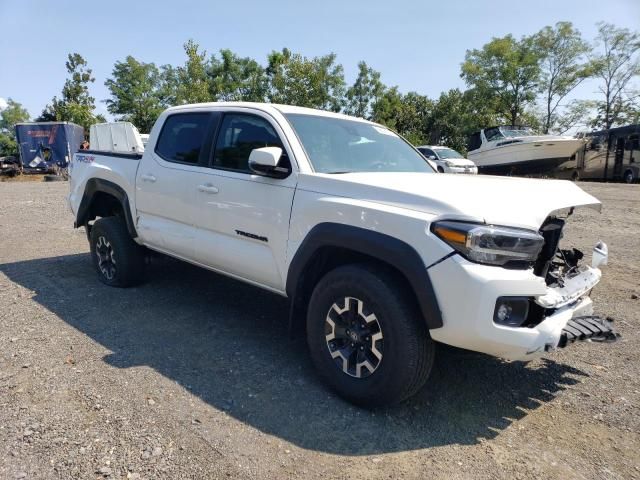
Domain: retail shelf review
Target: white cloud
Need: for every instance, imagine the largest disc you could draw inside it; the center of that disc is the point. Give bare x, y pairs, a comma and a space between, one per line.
3, 104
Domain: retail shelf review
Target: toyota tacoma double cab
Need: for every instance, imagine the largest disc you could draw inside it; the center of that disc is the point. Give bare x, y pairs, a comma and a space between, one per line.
379, 256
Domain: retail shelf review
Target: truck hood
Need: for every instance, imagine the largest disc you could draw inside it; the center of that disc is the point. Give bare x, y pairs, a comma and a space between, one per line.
507, 201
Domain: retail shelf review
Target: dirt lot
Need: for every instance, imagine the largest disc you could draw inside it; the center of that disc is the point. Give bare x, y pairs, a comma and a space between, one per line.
192, 375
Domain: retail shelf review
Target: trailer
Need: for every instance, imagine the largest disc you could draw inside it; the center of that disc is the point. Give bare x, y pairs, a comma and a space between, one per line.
47, 147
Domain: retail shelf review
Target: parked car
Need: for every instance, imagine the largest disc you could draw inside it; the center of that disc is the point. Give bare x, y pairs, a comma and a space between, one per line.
379, 256
448, 160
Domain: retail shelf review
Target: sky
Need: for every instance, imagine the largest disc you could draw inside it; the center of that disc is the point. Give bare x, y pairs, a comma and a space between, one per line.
416, 45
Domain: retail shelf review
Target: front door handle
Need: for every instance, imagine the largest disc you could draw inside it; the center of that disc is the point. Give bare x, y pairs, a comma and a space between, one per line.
148, 178
207, 188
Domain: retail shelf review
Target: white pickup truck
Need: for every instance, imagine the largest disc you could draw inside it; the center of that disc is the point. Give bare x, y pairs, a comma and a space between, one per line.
379, 255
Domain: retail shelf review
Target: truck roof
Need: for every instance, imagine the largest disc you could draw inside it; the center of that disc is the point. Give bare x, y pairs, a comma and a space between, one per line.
269, 107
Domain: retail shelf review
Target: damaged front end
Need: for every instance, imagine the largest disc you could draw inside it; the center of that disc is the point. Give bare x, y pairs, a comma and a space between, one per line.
569, 283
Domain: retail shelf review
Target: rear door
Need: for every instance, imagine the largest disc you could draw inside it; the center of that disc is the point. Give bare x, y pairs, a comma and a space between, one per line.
243, 218
166, 180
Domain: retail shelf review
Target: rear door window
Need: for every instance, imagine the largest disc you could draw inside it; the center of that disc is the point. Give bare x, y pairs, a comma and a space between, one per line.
182, 137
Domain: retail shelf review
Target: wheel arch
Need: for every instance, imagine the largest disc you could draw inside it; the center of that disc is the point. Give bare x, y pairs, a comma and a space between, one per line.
329, 245
103, 198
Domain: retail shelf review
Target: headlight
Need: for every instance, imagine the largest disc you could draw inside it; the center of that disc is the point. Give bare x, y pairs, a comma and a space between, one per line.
489, 244
449, 164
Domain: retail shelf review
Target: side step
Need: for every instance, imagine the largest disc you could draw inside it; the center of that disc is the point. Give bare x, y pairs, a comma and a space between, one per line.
588, 327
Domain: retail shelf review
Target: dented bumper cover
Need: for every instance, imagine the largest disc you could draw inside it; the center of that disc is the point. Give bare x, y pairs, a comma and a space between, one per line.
468, 316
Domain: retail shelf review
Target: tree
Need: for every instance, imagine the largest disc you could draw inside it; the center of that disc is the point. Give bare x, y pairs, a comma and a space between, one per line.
135, 94
563, 66
455, 116
388, 109
232, 78
168, 85
414, 117
576, 114
364, 93
617, 64
506, 73
409, 114
9, 116
192, 81
76, 104
317, 82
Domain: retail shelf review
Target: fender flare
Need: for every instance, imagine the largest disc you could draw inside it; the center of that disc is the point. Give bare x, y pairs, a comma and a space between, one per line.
96, 185
380, 246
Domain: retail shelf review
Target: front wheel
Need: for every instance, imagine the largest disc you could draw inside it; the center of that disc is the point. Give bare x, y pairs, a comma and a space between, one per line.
119, 261
367, 337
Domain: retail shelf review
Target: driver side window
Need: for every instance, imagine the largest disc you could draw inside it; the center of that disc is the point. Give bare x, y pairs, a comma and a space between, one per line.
239, 134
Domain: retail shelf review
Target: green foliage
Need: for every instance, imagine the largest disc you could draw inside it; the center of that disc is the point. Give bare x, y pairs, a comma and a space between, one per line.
235, 79
12, 114
191, 79
387, 110
364, 93
504, 77
168, 85
616, 65
316, 82
564, 67
576, 114
506, 73
135, 93
76, 104
455, 116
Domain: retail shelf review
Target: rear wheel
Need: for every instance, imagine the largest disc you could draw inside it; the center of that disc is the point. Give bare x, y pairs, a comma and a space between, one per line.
119, 261
629, 177
366, 336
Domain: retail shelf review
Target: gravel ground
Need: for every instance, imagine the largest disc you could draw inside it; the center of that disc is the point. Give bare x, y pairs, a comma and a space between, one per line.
192, 375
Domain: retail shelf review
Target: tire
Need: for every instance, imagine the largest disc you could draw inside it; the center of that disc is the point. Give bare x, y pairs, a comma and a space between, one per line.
119, 261
440, 170
629, 177
390, 324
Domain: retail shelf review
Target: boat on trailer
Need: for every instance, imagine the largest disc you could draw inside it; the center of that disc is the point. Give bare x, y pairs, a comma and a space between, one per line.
518, 150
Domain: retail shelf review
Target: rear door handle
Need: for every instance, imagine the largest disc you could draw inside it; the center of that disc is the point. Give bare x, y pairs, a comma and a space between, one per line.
148, 178
207, 188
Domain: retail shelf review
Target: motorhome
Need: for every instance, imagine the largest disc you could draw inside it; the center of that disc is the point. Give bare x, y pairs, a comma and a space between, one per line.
612, 154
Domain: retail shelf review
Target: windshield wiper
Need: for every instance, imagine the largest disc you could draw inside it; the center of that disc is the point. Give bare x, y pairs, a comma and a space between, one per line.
339, 172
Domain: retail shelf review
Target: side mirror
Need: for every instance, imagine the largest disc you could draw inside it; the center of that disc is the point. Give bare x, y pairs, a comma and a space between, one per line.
264, 161
431, 157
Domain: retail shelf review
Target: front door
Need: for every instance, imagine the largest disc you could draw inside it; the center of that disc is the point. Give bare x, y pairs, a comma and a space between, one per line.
243, 218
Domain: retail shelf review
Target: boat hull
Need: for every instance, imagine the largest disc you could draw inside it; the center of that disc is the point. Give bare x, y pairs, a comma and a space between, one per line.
525, 158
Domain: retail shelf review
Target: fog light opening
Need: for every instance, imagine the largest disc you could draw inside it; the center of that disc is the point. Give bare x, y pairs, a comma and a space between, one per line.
511, 311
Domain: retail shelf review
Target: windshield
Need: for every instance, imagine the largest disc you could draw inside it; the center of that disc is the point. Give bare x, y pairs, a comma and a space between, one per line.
516, 131
448, 153
336, 145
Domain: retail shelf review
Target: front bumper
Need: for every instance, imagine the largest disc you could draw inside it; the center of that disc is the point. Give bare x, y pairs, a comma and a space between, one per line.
470, 170
467, 294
